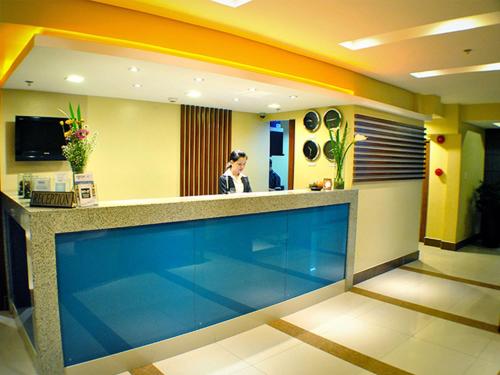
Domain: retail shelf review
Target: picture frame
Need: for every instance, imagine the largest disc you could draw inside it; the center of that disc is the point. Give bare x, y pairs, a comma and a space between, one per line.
327, 184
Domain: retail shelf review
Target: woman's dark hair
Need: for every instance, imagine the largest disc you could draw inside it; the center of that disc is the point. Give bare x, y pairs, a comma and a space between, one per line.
235, 155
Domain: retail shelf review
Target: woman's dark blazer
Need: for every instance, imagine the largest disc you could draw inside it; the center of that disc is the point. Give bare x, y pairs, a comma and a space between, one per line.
226, 183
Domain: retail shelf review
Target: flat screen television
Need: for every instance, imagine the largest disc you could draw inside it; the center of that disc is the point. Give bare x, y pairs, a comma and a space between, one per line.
39, 138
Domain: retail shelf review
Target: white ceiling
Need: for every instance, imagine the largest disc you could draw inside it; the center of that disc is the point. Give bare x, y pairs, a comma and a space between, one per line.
109, 76
106, 72
316, 27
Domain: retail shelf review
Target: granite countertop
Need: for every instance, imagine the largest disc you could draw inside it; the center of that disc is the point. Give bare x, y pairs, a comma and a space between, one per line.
124, 213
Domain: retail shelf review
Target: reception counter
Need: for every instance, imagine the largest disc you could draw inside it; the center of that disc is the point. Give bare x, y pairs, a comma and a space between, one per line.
103, 289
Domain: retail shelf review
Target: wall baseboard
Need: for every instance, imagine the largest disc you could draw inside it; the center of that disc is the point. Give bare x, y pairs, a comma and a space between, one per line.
450, 245
384, 267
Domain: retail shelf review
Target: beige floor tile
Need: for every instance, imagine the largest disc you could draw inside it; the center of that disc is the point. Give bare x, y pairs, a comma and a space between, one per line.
318, 318
248, 371
456, 336
258, 344
492, 352
14, 358
208, 360
304, 360
397, 318
481, 304
424, 358
364, 336
479, 367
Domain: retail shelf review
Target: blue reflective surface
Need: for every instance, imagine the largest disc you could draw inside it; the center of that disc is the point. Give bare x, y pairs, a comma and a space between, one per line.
124, 288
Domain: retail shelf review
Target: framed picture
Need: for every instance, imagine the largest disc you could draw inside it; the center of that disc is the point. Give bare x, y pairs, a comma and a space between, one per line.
327, 184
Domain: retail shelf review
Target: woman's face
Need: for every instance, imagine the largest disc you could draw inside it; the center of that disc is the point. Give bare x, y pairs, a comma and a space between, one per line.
238, 166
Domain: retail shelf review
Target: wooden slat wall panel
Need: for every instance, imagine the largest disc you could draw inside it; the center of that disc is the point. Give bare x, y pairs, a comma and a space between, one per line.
393, 151
205, 147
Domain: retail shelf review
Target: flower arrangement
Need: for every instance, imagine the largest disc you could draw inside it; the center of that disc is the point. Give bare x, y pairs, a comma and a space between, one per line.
339, 151
79, 144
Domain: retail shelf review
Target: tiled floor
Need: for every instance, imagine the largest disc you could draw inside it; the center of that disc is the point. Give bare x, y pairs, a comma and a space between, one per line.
409, 340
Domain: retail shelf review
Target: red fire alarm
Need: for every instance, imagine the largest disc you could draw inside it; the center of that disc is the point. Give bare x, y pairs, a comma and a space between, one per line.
440, 138
439, 172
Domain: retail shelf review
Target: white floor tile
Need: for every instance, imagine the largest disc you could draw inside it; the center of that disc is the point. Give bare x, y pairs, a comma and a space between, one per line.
248, 371
304, 360
364, 337
479, 367
258, 344
456, 336
481, 304
208, 360
397, 318
424, 358
318, 318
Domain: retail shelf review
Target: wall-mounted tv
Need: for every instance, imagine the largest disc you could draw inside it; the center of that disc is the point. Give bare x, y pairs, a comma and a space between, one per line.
39, 138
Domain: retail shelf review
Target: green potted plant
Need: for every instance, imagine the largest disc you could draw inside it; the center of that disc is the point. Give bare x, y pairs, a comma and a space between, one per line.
488, 203
339, 151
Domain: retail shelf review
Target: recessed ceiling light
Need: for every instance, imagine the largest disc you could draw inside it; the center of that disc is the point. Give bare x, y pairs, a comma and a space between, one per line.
193, 94
444, 27
134, 69
274, 106
252, 89
462, 69
232, 3
74, 78
293, 97
199, 79
236, 99
496, 124
137, 85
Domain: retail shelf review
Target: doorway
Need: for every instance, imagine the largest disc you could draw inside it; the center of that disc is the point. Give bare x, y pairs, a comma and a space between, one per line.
281, 154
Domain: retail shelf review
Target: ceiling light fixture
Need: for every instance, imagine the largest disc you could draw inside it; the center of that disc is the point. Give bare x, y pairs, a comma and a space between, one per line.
137, 85
232, 3
134, 69
462, 69
236, 99
193, 94
293, 97
199, 79
274, 106
74, 78
444, 27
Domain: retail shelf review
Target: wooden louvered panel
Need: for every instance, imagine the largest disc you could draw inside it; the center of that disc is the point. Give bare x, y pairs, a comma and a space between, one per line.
393, 151
205, 144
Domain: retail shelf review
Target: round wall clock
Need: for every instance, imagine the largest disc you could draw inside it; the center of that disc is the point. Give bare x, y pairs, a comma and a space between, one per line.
332, 118
327, 151
311, 150
312, 121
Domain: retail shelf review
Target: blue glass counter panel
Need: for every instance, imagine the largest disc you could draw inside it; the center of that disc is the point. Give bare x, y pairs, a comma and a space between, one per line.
124, 288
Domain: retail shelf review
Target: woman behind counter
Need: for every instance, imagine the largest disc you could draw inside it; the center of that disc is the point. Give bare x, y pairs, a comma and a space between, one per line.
233, 181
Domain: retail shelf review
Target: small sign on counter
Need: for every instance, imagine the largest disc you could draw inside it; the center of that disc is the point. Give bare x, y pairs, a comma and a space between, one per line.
52, 199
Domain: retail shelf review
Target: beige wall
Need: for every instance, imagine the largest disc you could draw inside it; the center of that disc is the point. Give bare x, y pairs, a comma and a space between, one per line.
137, 153
388, 222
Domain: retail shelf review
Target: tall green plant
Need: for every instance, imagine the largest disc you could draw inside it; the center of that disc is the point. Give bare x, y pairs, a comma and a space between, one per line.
339, 150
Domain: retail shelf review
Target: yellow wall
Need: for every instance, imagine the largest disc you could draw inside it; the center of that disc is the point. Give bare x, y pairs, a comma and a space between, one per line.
472, 167
138, 151
450, 215
251, 136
